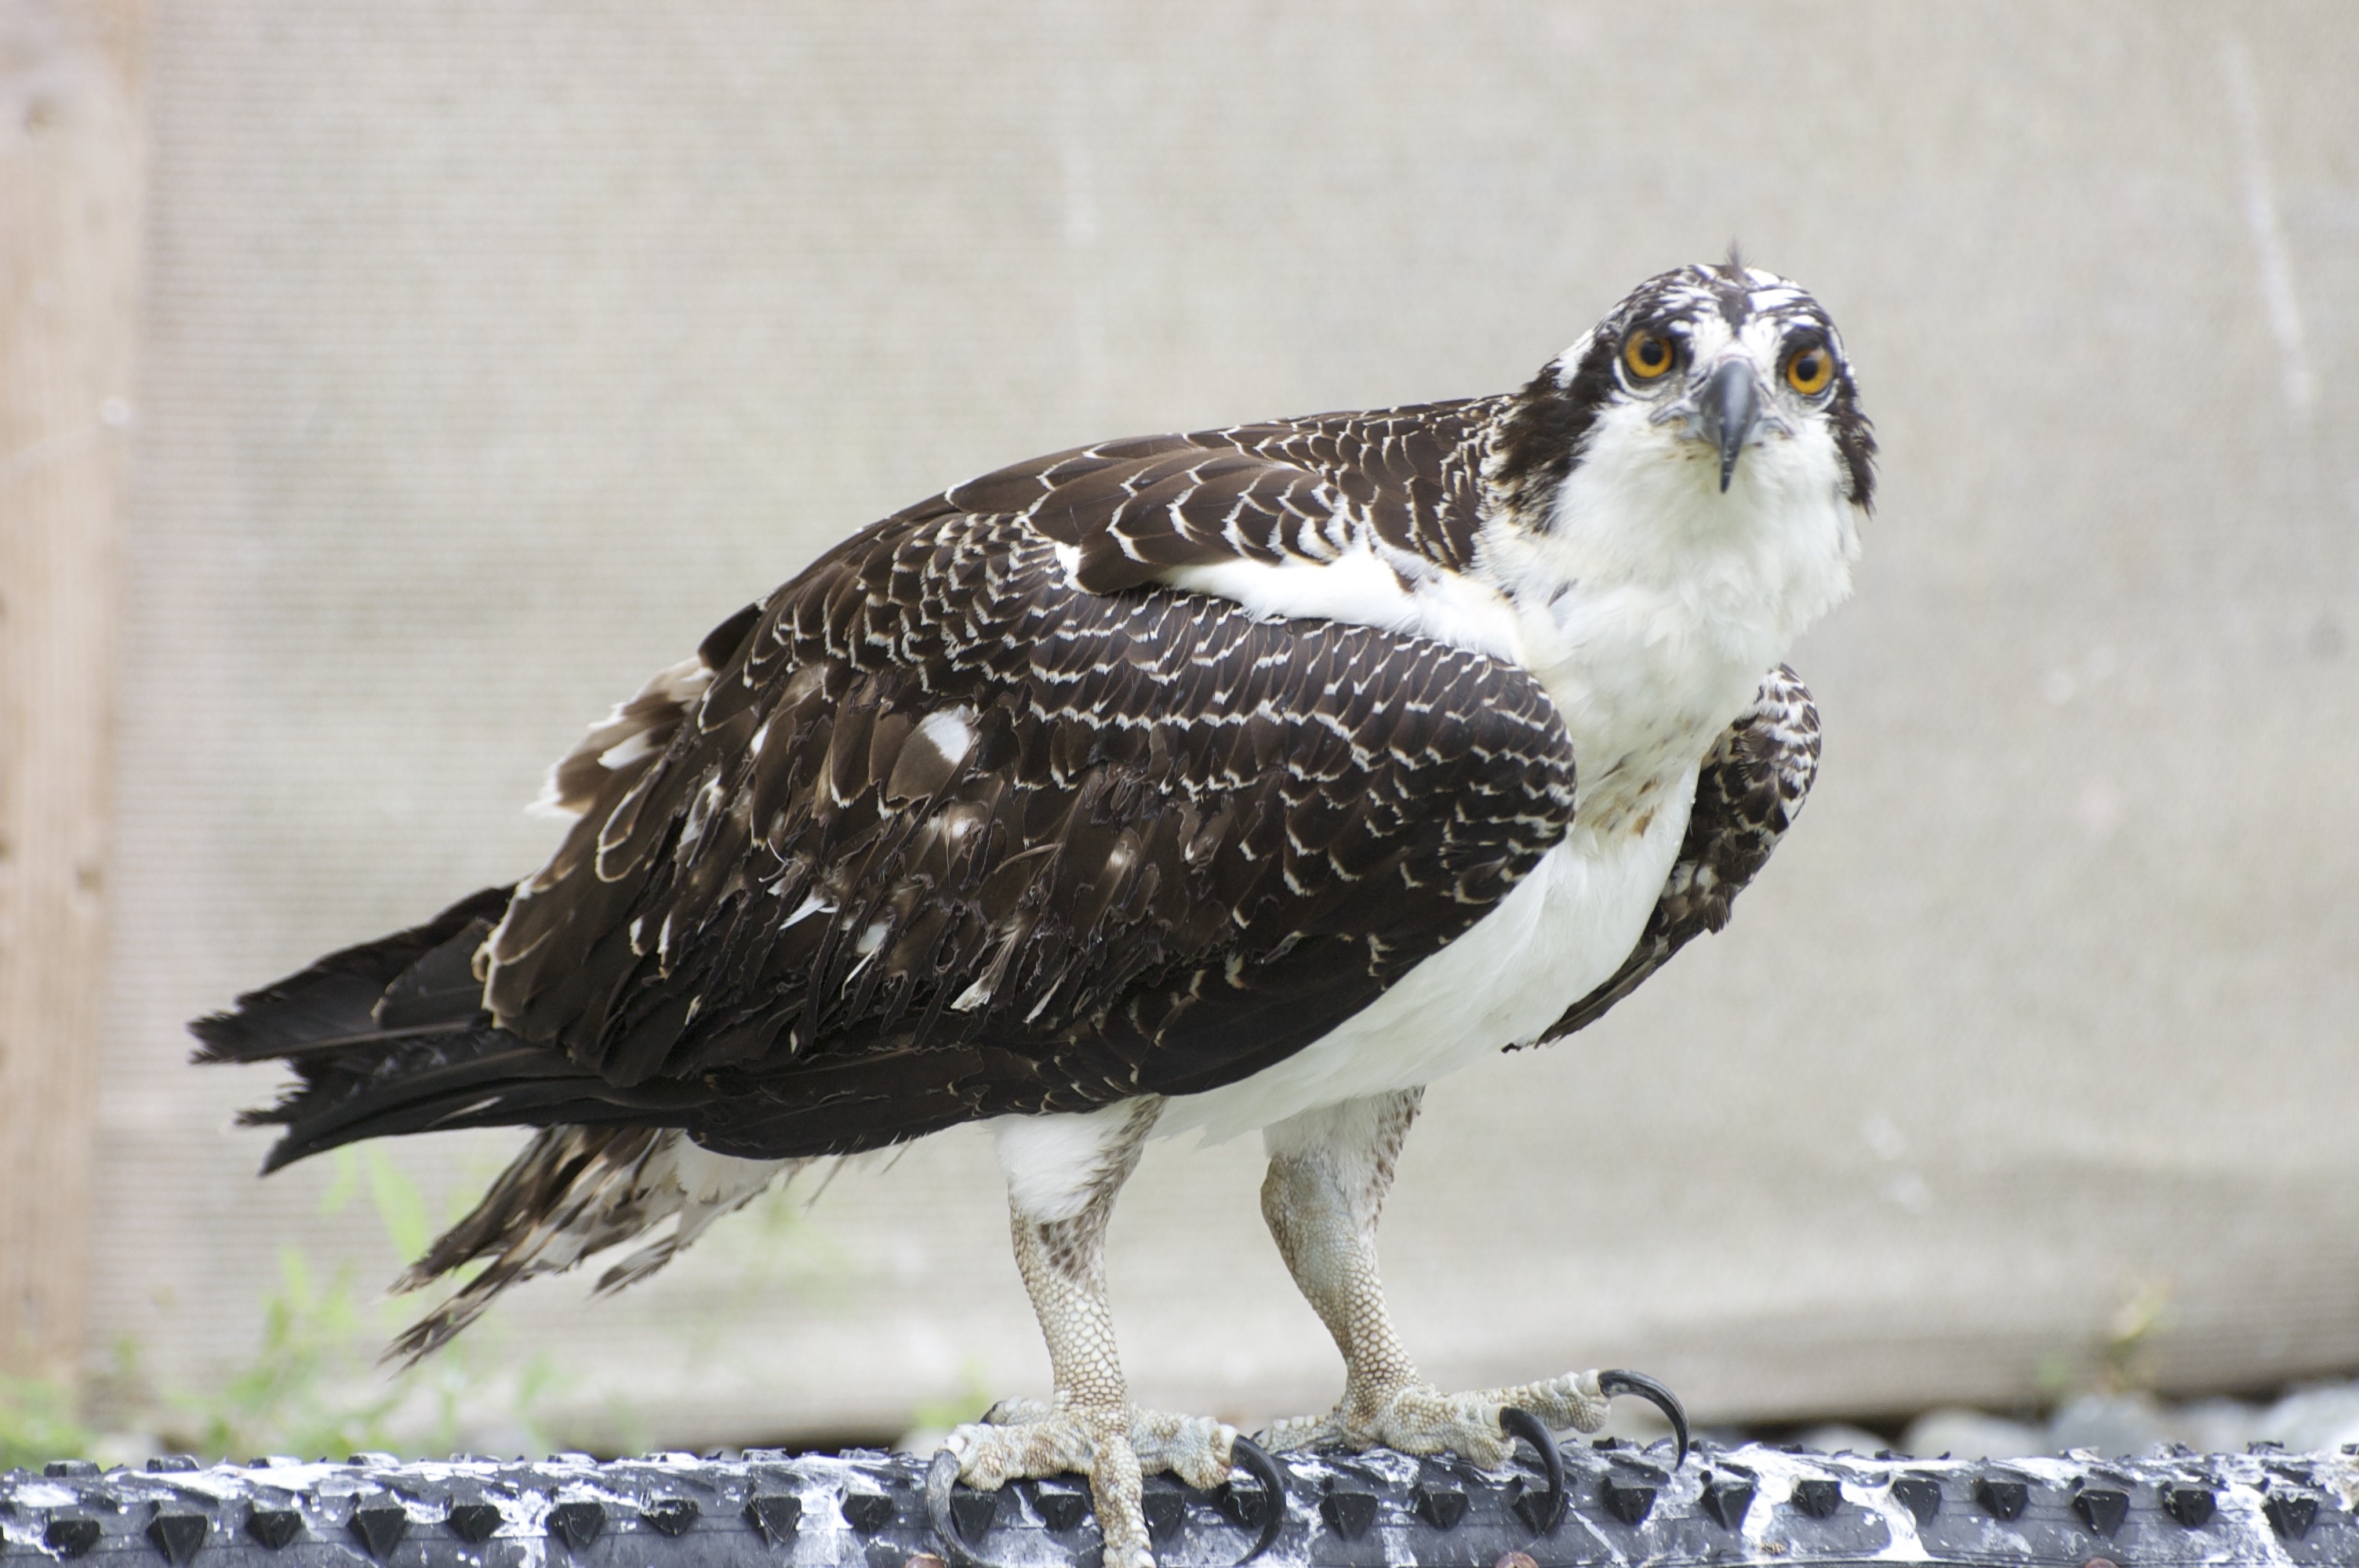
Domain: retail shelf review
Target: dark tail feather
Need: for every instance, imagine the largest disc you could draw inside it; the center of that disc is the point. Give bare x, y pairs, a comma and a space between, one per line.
391, 1037
422, 977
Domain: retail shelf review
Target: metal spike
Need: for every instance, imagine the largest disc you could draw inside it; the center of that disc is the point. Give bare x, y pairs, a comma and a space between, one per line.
273, 1527
867, 1512
2002, 1499
2191, 1506
1728, 1501
671, 1516
1440, 1507
775, 1515
177, 1536
1921, 1495
2102, 1509
1626, 1501
379, 1527
576, 1521
473, 1523
70, 1537
1348, 1514
2291, 1514
975, 1512
1818, 1497
1165, 1513
1062, 1507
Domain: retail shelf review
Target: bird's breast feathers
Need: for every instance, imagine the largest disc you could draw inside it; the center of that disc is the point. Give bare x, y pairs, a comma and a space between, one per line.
1647, 601
1648, 655
1556, 938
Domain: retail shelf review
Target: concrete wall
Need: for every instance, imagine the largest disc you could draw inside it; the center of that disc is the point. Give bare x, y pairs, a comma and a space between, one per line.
495, 351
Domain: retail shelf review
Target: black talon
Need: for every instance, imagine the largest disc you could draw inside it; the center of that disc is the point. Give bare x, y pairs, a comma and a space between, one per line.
1251, 1458
1517, 1422
1655, 1394
941, 1478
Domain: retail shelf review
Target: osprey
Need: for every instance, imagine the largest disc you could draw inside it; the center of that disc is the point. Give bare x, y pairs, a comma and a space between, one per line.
1246, 779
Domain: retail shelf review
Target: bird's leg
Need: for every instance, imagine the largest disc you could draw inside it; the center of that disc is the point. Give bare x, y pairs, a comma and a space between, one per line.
1063, 1175
1328, 1171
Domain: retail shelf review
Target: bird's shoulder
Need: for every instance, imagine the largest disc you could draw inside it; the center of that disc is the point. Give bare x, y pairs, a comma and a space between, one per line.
1300, 489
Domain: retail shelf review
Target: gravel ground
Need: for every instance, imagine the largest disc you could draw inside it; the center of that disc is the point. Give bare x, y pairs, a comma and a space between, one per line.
2312, 1419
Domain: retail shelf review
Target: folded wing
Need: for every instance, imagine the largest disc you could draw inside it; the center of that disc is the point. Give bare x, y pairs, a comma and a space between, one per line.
934, 834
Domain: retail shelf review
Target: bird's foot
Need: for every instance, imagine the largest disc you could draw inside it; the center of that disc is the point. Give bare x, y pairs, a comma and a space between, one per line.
1418, 1418
1115, 1446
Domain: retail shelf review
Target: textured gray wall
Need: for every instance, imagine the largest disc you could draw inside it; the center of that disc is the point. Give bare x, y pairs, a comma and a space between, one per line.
495, 351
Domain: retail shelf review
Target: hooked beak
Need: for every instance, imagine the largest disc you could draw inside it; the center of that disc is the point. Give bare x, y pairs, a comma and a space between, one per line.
1728, 408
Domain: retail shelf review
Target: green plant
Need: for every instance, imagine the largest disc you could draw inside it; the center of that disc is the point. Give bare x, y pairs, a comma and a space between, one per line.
2121, 1359
313, 1384
38, 1420
975, 1396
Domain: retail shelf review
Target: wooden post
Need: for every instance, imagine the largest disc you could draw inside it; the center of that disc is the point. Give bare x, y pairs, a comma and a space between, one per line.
70, 200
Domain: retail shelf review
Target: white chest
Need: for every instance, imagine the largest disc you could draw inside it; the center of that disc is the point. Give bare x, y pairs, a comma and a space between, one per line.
1649, 609
1652, 606
1561, 932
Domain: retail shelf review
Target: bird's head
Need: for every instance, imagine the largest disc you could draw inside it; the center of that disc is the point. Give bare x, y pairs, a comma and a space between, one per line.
1707, 377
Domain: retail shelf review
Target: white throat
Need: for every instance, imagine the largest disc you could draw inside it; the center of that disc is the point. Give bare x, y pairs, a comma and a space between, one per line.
1651, 603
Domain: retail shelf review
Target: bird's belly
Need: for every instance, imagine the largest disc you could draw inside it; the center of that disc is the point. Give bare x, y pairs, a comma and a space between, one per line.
1558, 934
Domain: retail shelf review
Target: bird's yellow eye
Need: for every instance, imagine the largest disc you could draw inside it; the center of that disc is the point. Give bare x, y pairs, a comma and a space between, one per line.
1809, 372
1649, 354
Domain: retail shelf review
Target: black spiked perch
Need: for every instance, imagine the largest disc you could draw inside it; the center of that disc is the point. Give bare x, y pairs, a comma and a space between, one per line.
472, 1522
576, 1521
2102, 1509
2291, 1514
974, 1513
775, 1515
1440, 1506
379, 1527
671, 1516
177, 1535
1626, 1501
1727, 1500
70, 1537
1921, 1495
1348, 1513
772, 1510
867, 1512
2001, 1498
1818, 1497
276, 1528
1165, 1513
1064, 1508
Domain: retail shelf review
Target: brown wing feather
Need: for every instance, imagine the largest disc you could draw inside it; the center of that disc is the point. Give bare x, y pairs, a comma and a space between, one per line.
1754, 780
1175, 844
1301, 488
